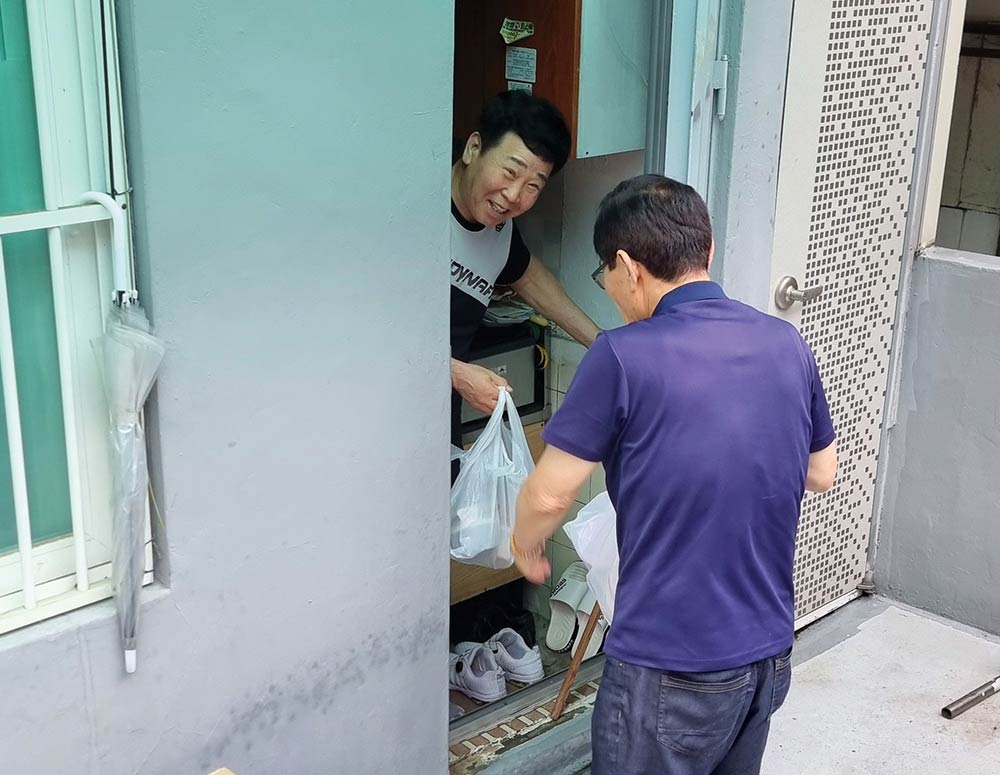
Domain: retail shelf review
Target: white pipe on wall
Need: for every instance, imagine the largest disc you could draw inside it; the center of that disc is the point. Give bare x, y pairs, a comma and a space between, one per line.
119, 251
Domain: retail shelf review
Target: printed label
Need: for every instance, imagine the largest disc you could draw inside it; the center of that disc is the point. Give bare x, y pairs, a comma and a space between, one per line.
522, 64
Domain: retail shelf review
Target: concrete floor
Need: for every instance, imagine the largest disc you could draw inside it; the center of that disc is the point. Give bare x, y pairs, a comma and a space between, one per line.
868, 686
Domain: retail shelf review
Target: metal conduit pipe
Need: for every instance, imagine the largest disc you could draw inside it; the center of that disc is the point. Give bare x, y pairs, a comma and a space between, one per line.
973, 698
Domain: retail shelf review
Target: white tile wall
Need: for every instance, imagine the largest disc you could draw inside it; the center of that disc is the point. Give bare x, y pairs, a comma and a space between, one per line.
560, 536
566, 356
554, 399
561, 559
598, 482
949, 230
980, 233
980, 182
969, 230
536, 599
958, 136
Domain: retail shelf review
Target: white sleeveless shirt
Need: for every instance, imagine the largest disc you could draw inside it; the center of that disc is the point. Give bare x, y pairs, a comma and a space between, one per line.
478, 257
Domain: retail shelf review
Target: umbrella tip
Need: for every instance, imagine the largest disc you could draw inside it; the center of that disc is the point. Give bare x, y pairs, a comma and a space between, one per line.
129, 660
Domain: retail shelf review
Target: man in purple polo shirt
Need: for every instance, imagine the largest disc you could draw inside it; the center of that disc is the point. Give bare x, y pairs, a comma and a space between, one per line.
710, 419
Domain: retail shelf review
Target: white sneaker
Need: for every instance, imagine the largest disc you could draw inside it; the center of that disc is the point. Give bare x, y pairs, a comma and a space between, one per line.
518, 662
521, 664
476, 674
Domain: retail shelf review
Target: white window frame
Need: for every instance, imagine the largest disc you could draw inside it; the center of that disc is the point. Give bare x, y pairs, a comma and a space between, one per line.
66, 44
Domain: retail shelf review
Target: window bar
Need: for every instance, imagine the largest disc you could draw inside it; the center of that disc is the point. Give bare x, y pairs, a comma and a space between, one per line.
66, 369
12, 409
45, 90
51, 221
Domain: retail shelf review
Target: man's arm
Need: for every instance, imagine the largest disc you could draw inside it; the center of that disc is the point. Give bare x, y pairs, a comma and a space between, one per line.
822, 469
541, 505
540, 289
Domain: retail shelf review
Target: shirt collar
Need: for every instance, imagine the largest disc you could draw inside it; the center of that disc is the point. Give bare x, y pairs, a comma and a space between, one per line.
465, 223
700, 290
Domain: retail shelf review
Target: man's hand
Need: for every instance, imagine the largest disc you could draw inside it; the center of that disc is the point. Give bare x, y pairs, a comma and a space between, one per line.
534, 565
478, 386
542, 504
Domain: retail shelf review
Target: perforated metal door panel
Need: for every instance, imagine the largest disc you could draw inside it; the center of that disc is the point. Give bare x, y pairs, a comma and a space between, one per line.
852, 104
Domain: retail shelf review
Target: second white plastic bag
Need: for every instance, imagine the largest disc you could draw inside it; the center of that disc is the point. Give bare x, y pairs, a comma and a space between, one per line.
595, 538
484, 496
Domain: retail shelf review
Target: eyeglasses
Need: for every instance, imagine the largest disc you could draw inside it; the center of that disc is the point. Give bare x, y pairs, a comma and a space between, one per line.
598, 276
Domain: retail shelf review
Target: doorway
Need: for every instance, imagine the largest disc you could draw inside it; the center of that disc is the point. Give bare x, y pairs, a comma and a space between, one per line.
592, 59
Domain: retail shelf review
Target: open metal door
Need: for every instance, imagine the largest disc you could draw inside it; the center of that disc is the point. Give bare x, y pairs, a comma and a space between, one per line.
853, 95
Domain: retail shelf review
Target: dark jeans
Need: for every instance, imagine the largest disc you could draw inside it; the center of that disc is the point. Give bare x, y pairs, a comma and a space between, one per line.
650, 722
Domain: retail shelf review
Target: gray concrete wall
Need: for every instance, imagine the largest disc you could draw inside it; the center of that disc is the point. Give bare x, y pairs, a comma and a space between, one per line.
560, 228
290, 164
586, 183
939, 538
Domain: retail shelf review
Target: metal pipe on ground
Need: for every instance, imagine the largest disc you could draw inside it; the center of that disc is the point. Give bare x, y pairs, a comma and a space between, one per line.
970, 700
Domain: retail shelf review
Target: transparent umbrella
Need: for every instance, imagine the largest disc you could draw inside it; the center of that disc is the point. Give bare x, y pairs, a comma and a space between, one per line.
129, 357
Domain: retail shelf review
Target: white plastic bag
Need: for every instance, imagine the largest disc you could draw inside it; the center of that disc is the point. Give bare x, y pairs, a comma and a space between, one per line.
484, 496
595, 539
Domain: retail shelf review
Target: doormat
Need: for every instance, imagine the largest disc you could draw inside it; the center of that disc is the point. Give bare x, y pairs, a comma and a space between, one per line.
475, 753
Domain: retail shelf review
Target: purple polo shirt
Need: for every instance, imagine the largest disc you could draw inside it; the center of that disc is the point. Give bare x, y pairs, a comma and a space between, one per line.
704, 416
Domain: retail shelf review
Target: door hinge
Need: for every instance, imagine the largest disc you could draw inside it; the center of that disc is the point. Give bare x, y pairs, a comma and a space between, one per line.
720, 83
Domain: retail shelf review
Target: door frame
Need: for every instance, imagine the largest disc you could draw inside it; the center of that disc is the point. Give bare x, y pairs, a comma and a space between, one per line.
686, 96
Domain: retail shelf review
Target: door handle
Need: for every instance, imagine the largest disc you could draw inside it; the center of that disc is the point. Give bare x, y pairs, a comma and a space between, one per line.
787, 293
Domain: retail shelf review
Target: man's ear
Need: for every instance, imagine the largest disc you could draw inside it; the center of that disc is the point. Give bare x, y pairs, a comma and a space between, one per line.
473, 147
631, 266
711, 255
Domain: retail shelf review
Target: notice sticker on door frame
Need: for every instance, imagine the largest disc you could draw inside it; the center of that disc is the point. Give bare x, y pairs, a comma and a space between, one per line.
522, 64
519, 86
513, 30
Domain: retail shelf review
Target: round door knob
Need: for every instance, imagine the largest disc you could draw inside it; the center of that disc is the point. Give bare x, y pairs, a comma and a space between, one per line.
788, 292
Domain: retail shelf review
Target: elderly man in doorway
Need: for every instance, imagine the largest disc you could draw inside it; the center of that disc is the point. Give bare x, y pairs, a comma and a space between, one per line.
711, 421
520, 143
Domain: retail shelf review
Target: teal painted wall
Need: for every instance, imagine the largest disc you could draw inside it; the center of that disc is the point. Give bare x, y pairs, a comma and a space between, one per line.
614, 71
291, 171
